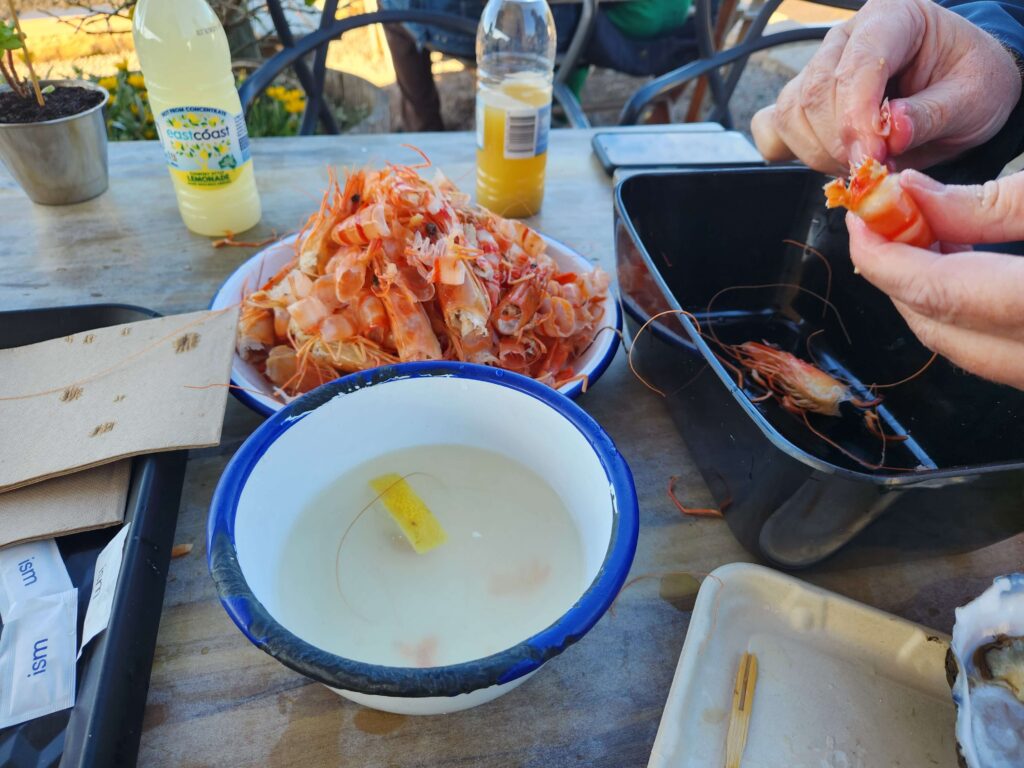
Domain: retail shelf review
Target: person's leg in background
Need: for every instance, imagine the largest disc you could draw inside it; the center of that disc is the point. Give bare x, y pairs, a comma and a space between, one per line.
421, 103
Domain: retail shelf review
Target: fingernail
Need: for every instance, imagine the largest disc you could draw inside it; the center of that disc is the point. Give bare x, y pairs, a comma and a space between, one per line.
918, 180
857, 153
901, 129
857, 228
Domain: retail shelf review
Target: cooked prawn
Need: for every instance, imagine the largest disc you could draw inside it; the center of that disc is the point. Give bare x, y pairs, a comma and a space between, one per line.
798, 385
393, 266
877, 197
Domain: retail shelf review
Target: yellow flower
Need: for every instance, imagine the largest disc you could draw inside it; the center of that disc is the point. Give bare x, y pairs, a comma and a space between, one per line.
293, 94
276, 92
110, 83
149, 133
134, 109
137, 81
123, 65
295, 106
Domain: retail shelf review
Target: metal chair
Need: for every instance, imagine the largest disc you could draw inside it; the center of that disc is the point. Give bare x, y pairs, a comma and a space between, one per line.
659, 86
722, 88
312, 81
709, 63
737, 56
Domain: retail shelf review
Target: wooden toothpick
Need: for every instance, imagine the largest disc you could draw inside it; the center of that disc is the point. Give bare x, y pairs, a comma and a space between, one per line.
742, 702
28, 58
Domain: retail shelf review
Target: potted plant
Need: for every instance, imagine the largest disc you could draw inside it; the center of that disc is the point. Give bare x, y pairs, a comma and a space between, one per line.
52, 136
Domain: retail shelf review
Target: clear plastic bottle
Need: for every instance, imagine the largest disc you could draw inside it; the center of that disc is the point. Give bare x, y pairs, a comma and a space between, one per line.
187, 65
515, 56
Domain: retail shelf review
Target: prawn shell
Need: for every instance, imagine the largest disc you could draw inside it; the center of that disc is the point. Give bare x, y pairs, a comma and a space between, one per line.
892, 213
877, 198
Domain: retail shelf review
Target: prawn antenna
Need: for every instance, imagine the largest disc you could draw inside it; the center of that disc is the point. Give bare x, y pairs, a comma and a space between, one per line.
426, 160
763, 286
824, 261
909, 378
348, 529
629, 355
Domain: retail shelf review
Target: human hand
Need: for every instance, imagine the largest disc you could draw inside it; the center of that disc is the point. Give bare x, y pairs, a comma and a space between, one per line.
952, 88
966, 305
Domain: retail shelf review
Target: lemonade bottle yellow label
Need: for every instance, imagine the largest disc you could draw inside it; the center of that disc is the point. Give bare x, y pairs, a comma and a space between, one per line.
205, 147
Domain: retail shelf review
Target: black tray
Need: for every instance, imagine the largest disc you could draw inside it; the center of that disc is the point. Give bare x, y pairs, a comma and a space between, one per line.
683, 236
104, 727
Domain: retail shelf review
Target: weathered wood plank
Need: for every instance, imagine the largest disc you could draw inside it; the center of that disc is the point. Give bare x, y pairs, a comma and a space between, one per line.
216, 701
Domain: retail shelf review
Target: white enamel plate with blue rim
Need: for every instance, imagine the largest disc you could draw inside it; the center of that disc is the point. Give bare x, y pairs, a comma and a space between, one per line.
253, 388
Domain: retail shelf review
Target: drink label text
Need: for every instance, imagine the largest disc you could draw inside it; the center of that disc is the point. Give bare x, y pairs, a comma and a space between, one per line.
204, 147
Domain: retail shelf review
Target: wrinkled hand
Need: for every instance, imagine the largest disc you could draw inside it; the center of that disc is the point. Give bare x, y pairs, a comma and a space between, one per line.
954, 88
966, 305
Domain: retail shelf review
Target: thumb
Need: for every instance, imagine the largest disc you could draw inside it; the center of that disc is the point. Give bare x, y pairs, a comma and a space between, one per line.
937, 112
989, 213
909, 121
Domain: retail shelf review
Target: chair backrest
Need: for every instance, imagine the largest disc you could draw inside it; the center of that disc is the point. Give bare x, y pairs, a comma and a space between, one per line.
633, 109
313, 82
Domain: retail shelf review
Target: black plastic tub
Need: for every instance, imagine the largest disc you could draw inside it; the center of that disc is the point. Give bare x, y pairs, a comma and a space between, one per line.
104, 727
789, 496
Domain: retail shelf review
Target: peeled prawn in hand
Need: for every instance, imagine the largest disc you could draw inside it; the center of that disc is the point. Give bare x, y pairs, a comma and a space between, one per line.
877, 197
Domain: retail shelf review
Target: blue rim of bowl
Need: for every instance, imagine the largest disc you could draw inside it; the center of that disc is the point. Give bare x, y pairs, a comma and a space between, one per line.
247, 399
256, 623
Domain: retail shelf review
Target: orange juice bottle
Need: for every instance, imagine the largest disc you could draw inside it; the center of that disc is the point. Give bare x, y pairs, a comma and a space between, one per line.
515, 53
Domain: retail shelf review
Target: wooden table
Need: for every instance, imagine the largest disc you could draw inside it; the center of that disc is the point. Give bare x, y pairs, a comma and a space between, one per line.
215, 700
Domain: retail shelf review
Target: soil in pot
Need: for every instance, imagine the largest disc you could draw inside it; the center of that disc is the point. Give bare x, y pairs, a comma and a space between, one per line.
63, 101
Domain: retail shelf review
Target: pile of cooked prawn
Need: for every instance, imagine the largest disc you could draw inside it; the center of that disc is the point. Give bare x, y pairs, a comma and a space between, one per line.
394, 267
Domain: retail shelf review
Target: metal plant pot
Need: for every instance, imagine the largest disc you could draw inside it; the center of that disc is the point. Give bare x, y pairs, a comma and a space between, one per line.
59, 161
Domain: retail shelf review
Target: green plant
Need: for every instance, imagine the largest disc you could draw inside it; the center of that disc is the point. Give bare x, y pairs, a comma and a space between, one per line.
10, 42
276, 112
13, 39
129, 117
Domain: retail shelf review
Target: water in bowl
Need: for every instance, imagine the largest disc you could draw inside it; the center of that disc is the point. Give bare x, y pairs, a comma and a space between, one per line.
512, 564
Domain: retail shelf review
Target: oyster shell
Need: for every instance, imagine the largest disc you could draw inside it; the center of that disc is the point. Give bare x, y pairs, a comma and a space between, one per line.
986, 671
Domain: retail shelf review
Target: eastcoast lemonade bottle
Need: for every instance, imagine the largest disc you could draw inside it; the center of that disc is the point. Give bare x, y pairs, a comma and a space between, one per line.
187, 66
515, 56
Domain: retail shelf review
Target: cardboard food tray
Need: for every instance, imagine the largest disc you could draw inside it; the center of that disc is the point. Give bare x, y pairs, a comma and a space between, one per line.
839, 683
105, 725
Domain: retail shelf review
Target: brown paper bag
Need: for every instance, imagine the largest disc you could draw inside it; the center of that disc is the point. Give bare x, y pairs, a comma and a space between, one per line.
84, 400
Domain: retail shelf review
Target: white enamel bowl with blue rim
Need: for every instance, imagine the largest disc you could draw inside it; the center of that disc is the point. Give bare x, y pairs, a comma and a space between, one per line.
306, 446
255, 391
